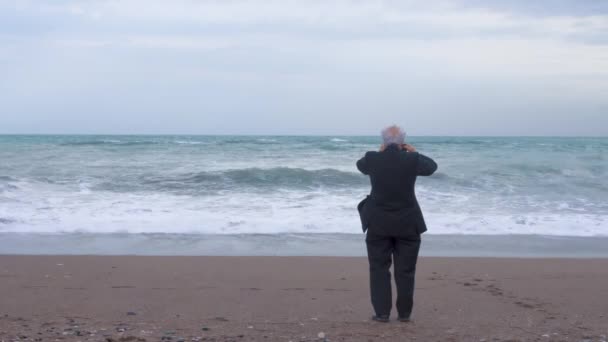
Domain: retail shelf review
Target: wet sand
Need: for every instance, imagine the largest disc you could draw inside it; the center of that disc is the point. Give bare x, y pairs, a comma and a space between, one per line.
200, 298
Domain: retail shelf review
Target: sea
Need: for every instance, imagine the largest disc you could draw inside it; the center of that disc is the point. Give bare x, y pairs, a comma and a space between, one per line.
284, 195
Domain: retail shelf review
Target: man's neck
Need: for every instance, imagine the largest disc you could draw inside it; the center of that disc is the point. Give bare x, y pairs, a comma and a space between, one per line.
392, 147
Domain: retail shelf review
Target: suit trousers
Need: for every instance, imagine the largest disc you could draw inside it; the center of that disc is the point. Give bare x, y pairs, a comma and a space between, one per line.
384, 248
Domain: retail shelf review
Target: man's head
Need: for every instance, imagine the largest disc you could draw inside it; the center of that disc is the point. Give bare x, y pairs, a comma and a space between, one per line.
393, 135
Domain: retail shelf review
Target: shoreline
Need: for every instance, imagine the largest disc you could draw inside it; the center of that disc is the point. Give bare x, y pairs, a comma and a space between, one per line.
196, 298
502, 246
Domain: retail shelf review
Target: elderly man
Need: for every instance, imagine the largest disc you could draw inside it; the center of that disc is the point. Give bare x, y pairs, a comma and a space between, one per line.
393, 220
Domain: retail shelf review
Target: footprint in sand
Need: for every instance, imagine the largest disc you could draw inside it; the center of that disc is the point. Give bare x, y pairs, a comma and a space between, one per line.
494, 290
525, 305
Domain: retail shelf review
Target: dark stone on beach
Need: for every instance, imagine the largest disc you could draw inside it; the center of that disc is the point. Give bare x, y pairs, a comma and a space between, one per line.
205, 329
131, 313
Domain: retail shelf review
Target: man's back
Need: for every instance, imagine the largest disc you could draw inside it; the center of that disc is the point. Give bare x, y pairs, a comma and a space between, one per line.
392, 200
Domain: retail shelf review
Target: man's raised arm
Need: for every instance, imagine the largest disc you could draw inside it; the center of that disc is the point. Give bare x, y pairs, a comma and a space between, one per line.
426, 166
362, 165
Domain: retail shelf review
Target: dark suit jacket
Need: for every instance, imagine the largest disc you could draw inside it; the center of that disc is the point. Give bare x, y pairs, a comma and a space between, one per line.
392, 203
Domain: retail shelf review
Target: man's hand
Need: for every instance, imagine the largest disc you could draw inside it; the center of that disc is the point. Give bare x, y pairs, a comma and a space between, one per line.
382, 148
408, 148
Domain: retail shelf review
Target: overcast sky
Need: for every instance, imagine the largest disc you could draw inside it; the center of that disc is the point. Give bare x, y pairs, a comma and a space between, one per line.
304, 67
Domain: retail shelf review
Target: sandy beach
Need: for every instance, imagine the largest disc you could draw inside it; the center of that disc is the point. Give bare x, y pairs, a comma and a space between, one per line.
137, 298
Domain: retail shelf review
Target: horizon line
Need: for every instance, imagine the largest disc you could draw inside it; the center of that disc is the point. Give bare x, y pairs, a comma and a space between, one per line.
299, 135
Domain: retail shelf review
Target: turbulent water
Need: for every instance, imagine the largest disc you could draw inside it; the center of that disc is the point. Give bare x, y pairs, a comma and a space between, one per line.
268, 185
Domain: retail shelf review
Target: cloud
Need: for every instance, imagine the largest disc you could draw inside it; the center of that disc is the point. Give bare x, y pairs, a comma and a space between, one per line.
286, 58
339, 17
472, 36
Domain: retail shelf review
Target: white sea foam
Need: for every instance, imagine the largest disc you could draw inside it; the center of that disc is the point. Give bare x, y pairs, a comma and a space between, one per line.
42, 209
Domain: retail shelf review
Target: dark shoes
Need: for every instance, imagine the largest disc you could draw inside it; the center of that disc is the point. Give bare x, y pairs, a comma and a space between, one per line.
380, 318
404, 319
385, 319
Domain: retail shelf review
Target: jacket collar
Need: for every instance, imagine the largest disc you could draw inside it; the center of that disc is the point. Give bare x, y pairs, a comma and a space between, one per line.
392, 147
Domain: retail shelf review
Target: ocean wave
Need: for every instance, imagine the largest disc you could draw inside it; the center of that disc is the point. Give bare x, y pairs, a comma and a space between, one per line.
532, 169
6, 183
248, 141
187, 142
8, 187
280, 177
109, 142
236, 141
8, 179
334, 147
266, 141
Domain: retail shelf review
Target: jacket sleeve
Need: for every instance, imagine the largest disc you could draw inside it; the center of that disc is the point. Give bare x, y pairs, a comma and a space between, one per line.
426, 166
362, 165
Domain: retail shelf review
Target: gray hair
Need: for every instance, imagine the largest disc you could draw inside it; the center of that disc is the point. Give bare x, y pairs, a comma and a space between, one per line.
393, 135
